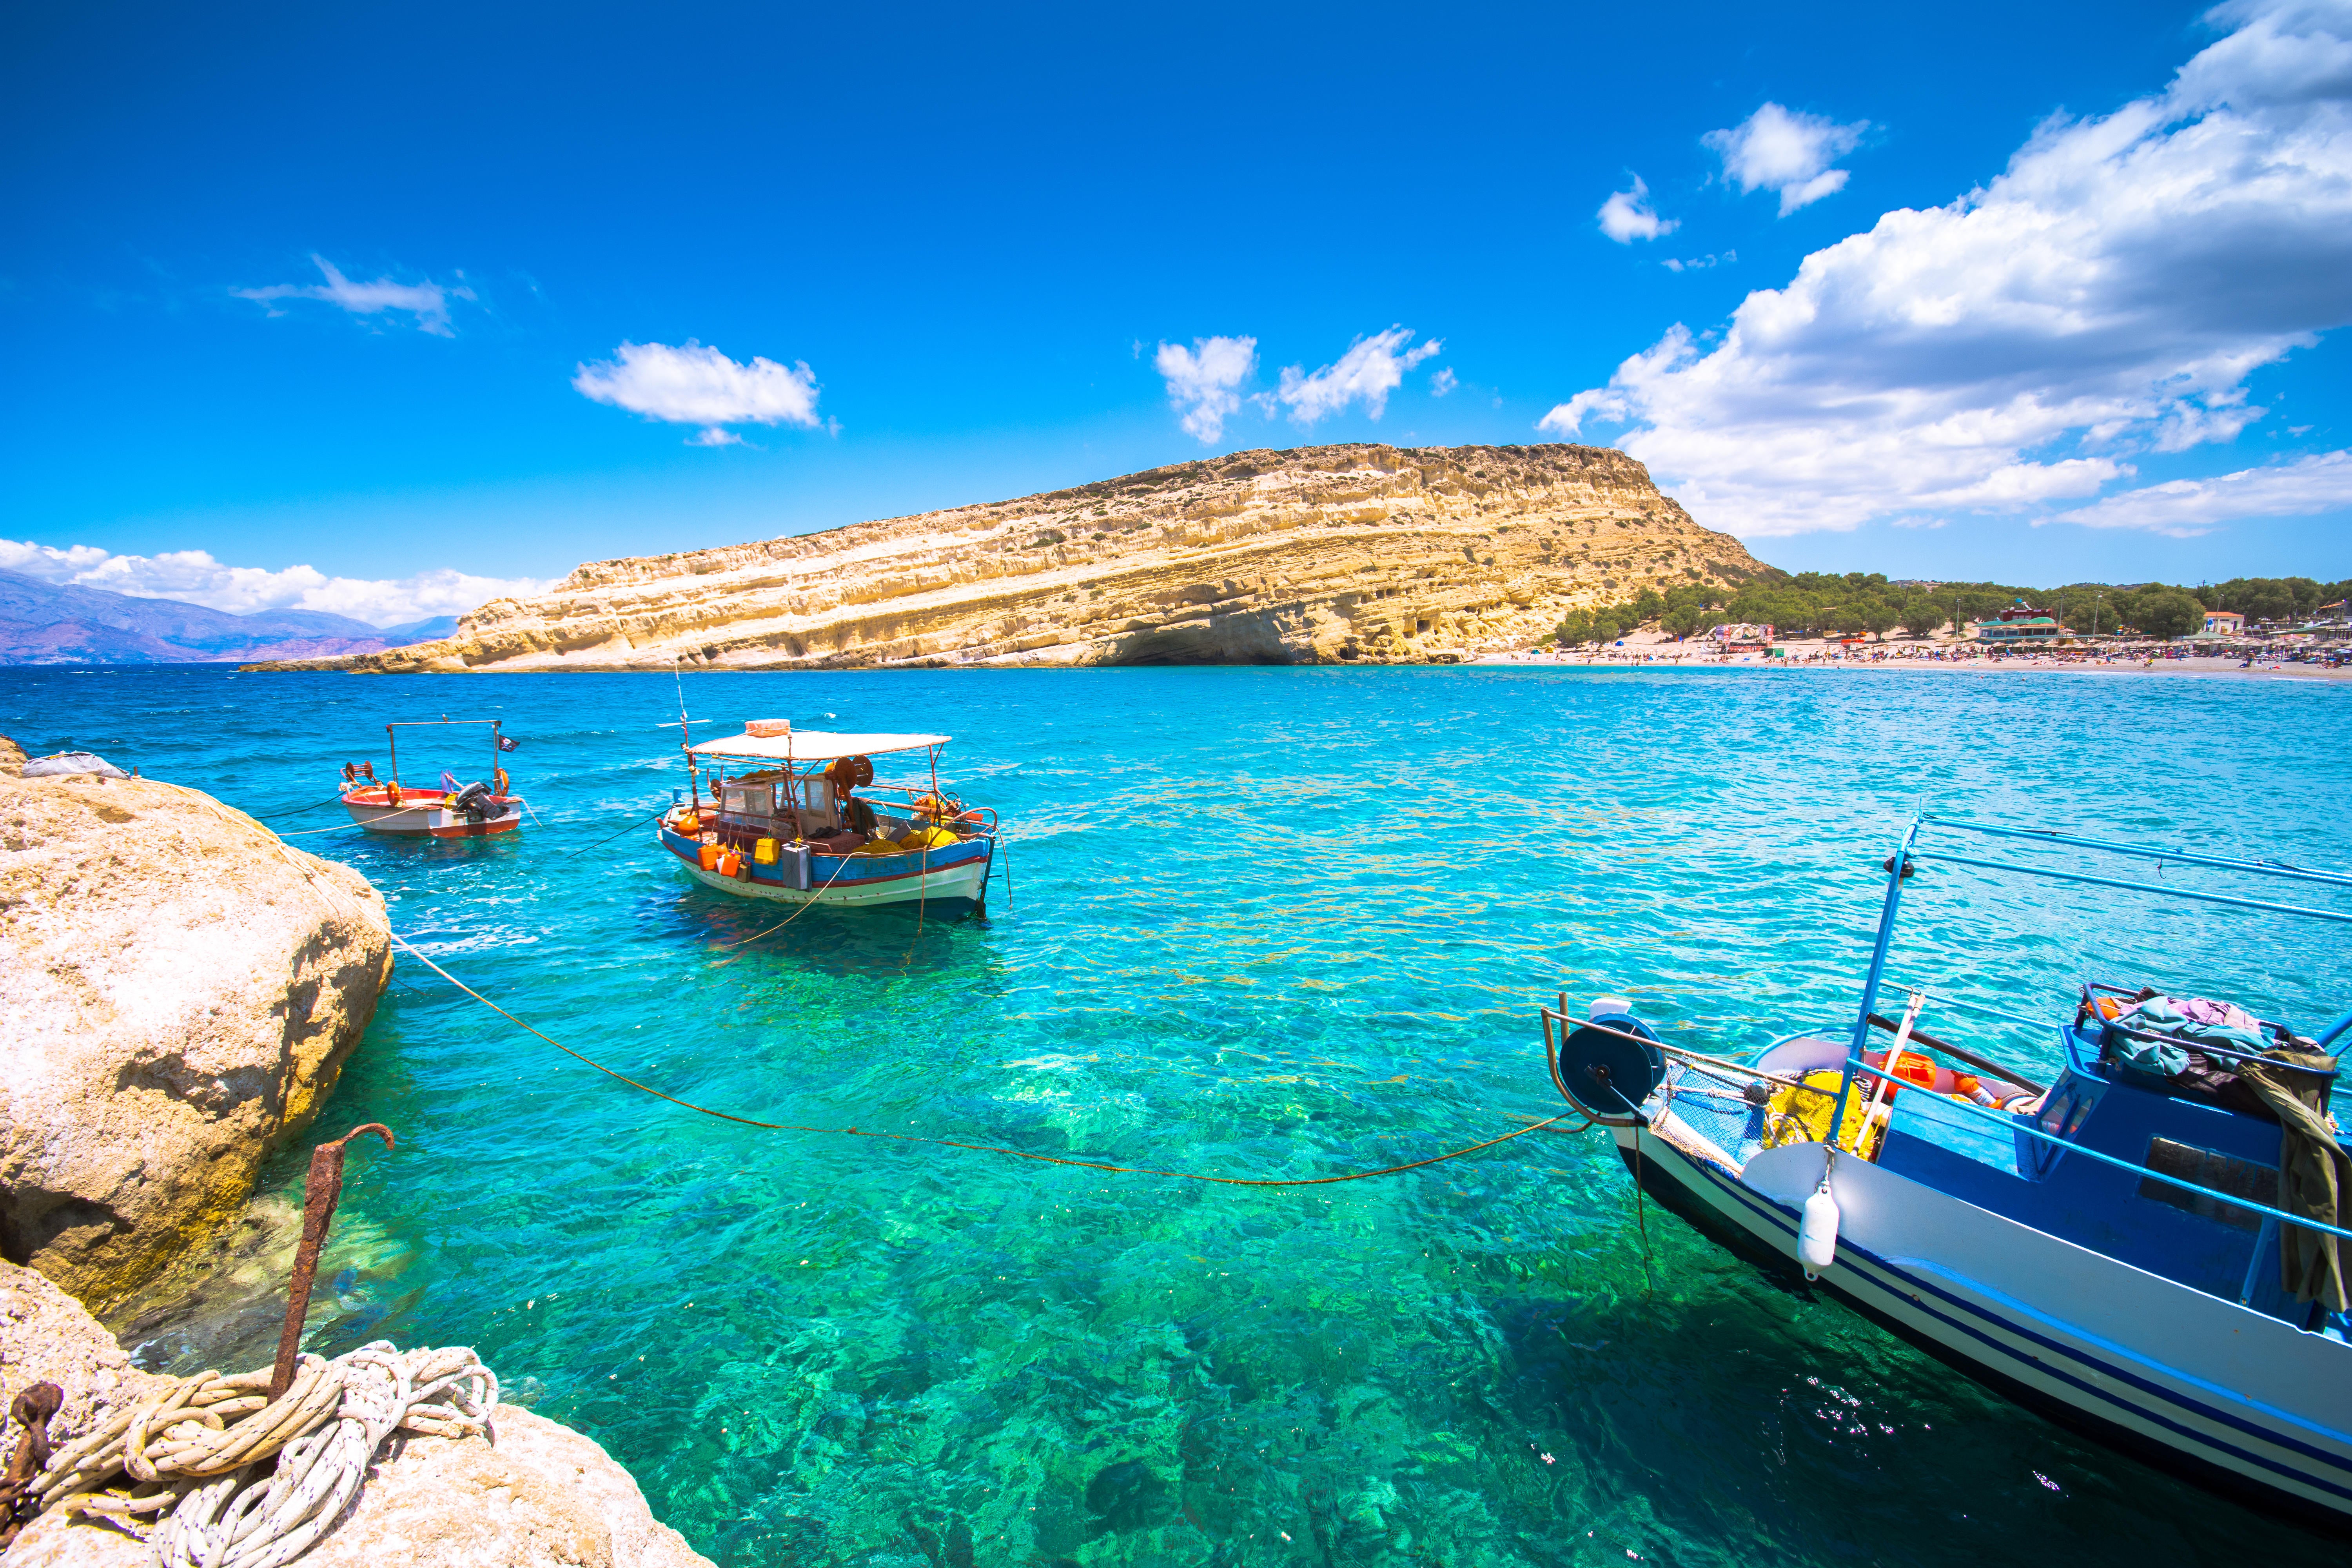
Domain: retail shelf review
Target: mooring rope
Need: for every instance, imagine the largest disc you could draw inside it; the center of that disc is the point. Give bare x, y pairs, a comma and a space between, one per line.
185, 1452
978, 1148
806, 905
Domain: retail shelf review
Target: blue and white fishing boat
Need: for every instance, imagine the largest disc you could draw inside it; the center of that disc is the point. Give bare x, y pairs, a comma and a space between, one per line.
2149, 1250
797, 817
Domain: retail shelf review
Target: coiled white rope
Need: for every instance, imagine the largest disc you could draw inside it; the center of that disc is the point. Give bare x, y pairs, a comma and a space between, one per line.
195, 1452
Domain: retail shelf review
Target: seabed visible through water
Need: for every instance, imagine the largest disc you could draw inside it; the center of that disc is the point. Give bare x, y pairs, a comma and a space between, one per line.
1261, 922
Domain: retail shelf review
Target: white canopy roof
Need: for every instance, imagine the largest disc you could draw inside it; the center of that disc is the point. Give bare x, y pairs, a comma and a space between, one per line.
814, 746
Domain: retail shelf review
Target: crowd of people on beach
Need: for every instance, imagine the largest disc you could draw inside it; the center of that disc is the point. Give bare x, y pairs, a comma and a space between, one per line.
1701, 652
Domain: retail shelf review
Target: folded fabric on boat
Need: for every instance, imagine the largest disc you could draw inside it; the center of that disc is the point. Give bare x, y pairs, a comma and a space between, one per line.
2197, 1018
2192, 1021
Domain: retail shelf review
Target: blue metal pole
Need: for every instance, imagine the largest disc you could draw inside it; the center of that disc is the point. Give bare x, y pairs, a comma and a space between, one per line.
1895, 867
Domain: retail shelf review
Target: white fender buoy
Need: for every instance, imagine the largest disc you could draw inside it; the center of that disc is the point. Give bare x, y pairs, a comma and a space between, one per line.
1817, 1231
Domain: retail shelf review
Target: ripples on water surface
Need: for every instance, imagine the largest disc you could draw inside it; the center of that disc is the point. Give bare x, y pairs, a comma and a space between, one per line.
1288, 923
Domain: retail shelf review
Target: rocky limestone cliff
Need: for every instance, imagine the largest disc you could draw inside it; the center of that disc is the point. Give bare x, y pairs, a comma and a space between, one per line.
178, 990
1370, 553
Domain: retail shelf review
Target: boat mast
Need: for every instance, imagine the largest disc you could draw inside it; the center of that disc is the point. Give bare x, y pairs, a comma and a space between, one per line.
1898, 870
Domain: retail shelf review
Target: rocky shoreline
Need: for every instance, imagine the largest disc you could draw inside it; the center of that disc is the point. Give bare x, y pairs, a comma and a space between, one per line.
179, 990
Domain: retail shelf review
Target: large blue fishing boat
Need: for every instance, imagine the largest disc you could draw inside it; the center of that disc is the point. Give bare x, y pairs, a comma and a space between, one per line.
2148, 1248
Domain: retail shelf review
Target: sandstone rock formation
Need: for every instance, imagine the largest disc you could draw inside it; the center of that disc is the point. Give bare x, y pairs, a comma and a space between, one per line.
45, 1337
533, 1495
178, 990
1371, 553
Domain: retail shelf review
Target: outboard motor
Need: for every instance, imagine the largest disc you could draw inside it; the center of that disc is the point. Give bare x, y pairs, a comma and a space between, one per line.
1608, 1066
473, 802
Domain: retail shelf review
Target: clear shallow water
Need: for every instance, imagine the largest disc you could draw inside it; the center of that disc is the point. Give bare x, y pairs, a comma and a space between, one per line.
1261, 922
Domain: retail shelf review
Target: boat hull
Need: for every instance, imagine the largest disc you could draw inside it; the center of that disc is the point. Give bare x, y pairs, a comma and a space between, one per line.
2229, 1398
933, 877
422, 814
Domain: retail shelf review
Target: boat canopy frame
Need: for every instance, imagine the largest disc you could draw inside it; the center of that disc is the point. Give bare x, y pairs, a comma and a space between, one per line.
810, 746
392, 740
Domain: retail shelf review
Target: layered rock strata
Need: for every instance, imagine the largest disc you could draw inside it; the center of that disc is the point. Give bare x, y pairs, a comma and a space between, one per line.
1368, 553
178, 990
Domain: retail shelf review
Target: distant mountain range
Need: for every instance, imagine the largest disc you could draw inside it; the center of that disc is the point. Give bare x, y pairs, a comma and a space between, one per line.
45, 623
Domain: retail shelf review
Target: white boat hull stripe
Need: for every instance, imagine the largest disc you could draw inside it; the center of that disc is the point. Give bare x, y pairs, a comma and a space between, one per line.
1783, 1221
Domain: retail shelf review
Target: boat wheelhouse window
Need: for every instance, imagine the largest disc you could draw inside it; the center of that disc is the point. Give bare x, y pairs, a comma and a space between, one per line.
2222, 1172
748, 800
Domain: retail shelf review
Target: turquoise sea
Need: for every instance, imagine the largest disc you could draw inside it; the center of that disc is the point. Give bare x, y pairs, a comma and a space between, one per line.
1259, 922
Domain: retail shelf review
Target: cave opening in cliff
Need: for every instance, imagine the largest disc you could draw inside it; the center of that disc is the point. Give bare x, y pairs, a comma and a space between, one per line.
1175, 648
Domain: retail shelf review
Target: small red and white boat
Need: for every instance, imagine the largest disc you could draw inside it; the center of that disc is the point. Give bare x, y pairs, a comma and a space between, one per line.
451, 810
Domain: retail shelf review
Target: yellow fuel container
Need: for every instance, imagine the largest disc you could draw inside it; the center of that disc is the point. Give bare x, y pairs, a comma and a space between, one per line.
764, 852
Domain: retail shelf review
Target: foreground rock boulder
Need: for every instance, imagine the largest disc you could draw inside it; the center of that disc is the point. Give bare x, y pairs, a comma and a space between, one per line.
178, 990
533, 1494
45, 1337
1365, 553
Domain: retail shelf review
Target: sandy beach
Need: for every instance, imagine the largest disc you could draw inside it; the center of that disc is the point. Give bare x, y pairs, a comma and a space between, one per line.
1950, 658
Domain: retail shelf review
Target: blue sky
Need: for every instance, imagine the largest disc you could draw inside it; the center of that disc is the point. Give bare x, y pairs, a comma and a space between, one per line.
383, 309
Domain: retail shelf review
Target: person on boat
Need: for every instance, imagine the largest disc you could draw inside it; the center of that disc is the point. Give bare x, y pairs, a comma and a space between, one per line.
854, 815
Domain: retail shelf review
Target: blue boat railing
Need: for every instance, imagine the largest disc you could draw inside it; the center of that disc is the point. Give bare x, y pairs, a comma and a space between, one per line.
2142, 851
1901, 866
2264, 905
2019, 1125
1727, 1068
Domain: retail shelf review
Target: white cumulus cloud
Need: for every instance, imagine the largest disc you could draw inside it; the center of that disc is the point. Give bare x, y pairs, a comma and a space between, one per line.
1370, 369
2109, 293
427, 302
1204, 381
193, 576
2186, 508
1627, 216
697, 385
1787, 150
1443, 382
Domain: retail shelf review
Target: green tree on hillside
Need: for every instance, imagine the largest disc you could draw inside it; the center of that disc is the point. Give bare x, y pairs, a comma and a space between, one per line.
2167, 612
1922, 616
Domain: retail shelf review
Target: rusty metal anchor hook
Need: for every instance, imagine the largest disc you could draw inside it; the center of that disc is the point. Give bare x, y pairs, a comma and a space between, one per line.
321, 1189
31, 1411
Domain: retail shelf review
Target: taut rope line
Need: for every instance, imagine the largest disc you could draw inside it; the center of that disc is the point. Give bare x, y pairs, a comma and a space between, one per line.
976, 1148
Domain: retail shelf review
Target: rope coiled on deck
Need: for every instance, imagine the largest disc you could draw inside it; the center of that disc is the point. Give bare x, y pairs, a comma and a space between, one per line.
194, 1456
